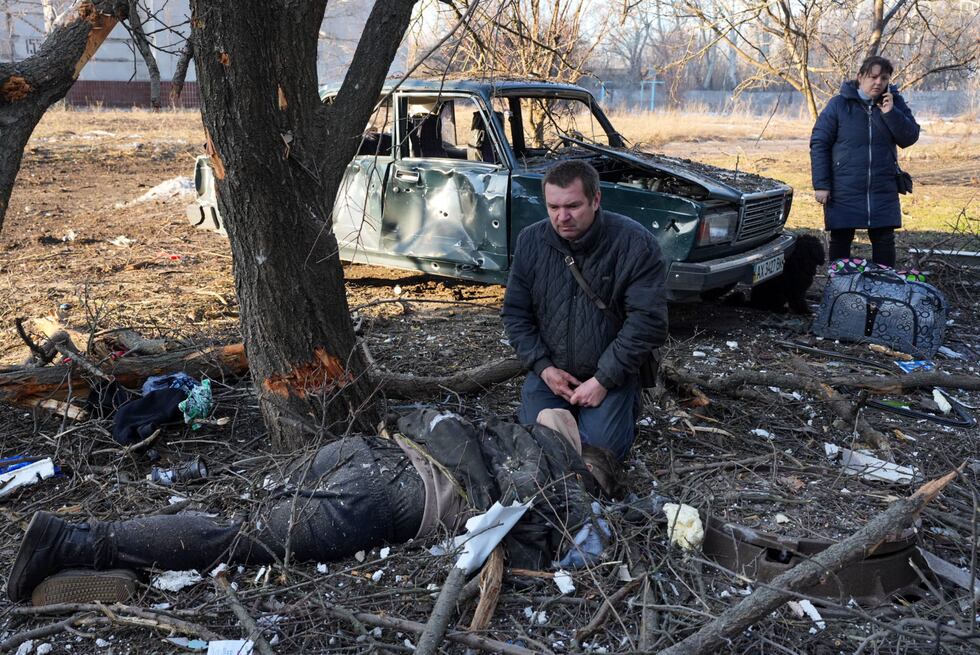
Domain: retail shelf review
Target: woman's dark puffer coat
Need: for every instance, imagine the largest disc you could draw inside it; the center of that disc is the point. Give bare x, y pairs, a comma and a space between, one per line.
853, 155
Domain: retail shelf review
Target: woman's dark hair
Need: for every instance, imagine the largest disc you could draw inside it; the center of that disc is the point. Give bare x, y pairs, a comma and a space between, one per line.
868, 65
606, 469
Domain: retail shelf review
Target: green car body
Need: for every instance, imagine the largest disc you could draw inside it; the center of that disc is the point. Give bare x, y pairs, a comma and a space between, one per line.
449, 172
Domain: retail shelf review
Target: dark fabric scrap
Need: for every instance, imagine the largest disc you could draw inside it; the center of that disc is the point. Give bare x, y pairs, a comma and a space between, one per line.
137, 419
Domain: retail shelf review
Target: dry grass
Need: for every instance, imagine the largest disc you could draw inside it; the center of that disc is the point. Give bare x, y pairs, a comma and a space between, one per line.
165, 125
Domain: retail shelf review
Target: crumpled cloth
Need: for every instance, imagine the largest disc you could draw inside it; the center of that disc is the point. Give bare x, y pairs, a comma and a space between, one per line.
198, 404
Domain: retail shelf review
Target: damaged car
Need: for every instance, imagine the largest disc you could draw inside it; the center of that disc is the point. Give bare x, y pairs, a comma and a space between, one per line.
448, 172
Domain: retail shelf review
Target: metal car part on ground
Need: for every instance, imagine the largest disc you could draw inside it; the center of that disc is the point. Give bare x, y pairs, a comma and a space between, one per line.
449, 172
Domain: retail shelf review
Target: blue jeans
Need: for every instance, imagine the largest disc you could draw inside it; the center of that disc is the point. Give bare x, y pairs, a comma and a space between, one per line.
611, 425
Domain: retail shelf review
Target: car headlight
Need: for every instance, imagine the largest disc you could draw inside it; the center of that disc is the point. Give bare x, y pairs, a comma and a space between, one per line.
717, 228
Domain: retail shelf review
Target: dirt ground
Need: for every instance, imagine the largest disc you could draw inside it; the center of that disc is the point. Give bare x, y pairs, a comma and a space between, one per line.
77, 244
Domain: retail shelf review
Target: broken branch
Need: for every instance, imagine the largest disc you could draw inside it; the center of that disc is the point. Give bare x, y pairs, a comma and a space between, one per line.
764, 600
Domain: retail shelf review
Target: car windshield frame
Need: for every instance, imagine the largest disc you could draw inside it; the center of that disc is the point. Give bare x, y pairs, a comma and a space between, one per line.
513, 131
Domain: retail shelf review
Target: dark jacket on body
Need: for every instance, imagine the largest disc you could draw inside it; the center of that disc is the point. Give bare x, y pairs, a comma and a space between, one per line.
507, 462
549, 319
853, 155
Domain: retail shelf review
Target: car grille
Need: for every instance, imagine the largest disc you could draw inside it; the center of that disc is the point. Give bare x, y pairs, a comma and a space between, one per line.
760, 217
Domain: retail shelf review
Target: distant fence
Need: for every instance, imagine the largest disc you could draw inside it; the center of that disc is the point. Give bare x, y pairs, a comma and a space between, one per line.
934, 103
128, 94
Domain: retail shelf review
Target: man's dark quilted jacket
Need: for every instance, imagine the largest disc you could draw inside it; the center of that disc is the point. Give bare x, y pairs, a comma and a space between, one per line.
549, 319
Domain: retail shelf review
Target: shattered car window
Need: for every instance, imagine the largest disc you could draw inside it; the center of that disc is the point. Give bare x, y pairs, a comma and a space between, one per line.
535, 126
447, 128
378, 135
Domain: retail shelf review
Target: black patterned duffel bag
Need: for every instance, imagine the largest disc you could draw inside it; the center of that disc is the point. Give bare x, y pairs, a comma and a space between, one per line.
880, 306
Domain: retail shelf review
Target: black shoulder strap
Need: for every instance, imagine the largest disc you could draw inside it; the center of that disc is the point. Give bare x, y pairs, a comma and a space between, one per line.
593, 296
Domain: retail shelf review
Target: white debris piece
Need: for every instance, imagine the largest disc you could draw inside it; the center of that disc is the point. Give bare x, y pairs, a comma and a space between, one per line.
176, 580
385, 552
176, 188
101, 643
684, 526
218, 570
121, 241
782, 518
258, 576
483, 533
698, 353
26, 475
160, 606
805, 608
623, 575
230, 647
360, 556
940, 399
870, 467
376, 576
321, 568
397, 290
759, 432
952, 354
439, 418
25, 648
732, 344
44, 649
563, 580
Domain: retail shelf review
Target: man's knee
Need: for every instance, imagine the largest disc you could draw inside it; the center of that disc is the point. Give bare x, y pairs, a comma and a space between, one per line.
612, 425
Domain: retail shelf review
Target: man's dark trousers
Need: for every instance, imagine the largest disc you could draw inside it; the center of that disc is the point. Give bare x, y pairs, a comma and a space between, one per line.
611, 425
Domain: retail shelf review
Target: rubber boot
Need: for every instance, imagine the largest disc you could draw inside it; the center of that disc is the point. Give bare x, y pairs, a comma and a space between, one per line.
50, 546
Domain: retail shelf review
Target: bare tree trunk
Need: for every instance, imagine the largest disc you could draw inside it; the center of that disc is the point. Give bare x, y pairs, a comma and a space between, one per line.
29, 87
180, 72
877, 27
142, 43
279, 156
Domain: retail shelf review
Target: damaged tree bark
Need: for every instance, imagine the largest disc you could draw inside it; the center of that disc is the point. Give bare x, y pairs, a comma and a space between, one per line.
29, 87
279, 156
764, 600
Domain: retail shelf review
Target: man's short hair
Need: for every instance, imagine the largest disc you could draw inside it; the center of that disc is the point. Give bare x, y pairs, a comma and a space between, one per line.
868, 65
563, 174
606, 469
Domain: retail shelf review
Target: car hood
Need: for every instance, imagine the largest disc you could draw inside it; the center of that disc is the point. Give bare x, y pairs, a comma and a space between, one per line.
720, 183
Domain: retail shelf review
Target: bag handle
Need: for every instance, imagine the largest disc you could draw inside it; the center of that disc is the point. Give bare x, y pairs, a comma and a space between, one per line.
593, 296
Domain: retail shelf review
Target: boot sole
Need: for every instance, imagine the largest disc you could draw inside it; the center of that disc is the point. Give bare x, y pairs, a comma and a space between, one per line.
85, 586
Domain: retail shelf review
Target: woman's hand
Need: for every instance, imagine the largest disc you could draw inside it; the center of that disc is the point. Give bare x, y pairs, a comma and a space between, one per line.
822, 195
887, 102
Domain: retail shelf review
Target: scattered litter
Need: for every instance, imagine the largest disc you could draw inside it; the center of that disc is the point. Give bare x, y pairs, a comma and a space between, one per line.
21, 472
949, 352
916, 365
941, 401
230, 647
698, 353
536, 617
25, 648
44, 649
439, 418
160, 606
101, 643
759, 432
258, 576
69, 236
176, 580
623, 574
376, 576
588, 544
782, 518
122, 241
956, 575
805, 608
173, 189
733, 345
360, 556
870, 467
483, 533
397, 290
563, 580
188, 644
684, 526
384, 552
321, 568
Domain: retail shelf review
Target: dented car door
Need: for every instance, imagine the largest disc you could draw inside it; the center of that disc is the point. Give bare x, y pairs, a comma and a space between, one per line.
445, 201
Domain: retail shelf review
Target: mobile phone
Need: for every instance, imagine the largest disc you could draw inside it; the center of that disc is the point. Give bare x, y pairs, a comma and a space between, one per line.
880, 99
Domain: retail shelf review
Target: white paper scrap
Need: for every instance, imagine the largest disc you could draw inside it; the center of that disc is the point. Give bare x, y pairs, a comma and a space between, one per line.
176, 580
26, 475
385, 552
759, 432
230, 647
805, 608
940, 399
483, 533
563, 580
870, 467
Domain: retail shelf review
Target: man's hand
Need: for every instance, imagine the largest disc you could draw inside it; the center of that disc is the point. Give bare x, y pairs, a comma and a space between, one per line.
887, 102
561, 383
822, 196
589, 394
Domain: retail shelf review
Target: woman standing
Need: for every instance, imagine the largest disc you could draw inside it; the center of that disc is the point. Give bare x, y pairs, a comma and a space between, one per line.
854, 161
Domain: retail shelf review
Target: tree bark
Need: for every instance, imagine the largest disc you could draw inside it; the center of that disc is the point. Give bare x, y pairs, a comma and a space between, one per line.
279, 156
142, 43
29, 87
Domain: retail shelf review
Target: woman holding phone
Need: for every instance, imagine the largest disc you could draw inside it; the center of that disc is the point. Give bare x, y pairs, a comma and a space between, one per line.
854, 160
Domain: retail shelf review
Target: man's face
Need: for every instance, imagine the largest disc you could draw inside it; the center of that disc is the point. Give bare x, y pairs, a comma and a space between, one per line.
875, 82
570, 211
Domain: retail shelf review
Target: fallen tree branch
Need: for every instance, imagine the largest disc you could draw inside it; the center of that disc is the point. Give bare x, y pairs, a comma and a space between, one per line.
765, 599
490, 578
607, 606
442, 613
478, 378
254, 632
464, 638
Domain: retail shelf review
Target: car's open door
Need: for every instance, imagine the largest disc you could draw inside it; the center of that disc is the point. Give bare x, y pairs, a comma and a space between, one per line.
445, 201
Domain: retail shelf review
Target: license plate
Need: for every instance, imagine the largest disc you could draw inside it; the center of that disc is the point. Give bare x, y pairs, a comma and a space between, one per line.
767, 268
